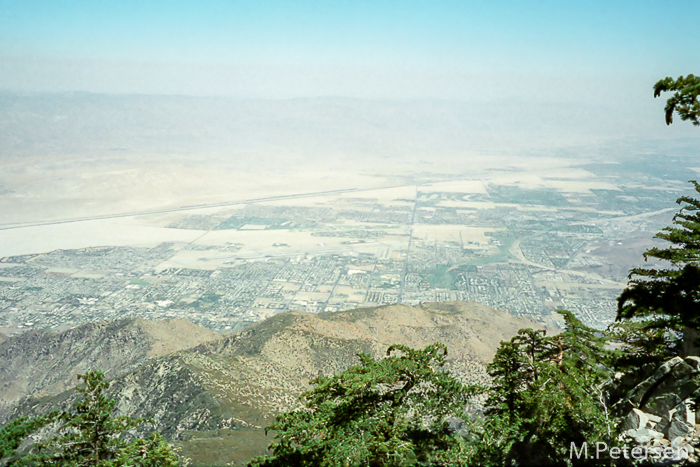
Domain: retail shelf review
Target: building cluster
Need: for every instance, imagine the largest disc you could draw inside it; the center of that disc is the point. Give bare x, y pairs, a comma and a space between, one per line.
537, 255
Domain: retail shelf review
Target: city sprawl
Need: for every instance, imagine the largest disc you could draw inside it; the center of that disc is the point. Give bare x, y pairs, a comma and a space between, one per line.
524, 241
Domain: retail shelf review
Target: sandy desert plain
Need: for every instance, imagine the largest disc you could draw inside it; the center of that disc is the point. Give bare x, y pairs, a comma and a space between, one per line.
222, 245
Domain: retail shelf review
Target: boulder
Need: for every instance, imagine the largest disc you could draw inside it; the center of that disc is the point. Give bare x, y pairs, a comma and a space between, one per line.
635, 420
694, 362
683, 380
689, 414
683, 370
679, 424
661, 411
662, 404
654, 419
643, 435
640, 391
677, 441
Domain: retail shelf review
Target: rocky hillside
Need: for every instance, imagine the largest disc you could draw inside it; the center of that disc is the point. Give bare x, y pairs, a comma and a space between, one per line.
216, 398
663, 412
45, 363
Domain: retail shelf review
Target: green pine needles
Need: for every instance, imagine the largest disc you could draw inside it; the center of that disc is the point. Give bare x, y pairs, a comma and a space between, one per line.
14, 433
671, 294
684, 100
389, 412
547, 392
405, 410
89, 435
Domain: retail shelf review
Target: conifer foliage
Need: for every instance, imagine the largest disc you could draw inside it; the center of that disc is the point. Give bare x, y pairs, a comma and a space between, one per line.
672, 293
14, 433
684, 100
389, 412
547, 392
91, 436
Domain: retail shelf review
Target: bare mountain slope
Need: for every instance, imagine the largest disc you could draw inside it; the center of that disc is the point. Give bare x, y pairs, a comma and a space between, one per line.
216, 398
284, 352
42, 363
236, 385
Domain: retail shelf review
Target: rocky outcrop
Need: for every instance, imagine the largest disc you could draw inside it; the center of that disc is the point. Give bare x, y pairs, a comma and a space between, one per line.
662, 414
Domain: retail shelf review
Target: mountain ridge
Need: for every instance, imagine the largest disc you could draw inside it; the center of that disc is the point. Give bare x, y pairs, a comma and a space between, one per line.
45, 363
223, 392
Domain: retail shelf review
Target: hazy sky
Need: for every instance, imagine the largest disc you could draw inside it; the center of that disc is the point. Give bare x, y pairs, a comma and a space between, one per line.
545, 50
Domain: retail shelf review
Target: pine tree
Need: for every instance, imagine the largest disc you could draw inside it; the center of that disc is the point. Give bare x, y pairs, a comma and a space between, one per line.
547, 392
684, 100
92, 436
14, 433
642, 342
153, 451
673, 293
388, 412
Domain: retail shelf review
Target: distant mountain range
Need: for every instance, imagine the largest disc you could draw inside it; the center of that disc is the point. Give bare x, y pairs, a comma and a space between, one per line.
85, 124
213, 394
